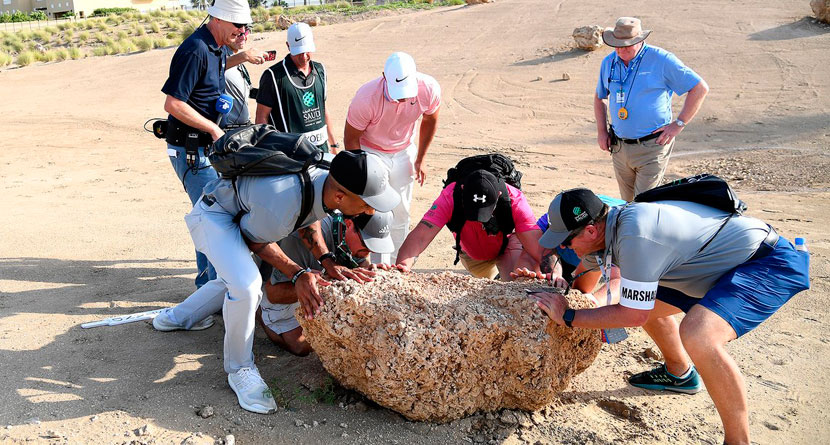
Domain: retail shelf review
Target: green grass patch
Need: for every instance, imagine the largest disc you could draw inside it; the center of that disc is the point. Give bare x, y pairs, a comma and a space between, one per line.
5, 59
41, 35
144, 43
62, 54
26, 58
83, 36
155, 27
161, 42
76, 53
48, 56
121, 35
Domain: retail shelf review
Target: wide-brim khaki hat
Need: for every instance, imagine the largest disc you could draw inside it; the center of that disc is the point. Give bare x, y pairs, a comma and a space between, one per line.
627, 31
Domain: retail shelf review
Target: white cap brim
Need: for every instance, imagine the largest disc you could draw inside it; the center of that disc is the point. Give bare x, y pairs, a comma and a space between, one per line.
378, 245
385, 201
402, 90
307, 48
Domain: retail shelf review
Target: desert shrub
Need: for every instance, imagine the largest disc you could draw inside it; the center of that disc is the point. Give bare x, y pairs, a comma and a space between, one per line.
111, 11
41, 35
161, 42
48, 56
259, 27
62, 54
26, 58
102, 26
99, 51
76, 53
144, 43
270, 26
83, 36
121, 35
182, 15
51, 29
276, 10
5, 59
186, 30
157, 13
69, 34
126, 46
155, 27
13, 43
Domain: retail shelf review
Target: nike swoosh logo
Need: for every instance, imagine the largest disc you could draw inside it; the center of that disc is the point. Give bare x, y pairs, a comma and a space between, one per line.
297, 40
401, 80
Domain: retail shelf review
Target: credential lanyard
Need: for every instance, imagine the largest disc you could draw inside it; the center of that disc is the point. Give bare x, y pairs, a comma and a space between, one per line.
605, 267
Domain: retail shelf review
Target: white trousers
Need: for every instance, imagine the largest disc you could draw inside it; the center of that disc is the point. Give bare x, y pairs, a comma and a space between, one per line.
237, 289
401, 167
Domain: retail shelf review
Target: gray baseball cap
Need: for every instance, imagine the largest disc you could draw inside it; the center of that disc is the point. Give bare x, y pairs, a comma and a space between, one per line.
365, 175
374, 230
570, 210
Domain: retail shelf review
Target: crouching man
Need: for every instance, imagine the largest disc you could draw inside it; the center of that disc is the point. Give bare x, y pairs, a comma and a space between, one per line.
349, 242
356, 183
728, 274
490, 220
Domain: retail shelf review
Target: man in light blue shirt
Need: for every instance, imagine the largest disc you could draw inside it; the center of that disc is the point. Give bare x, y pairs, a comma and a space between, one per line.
638, 81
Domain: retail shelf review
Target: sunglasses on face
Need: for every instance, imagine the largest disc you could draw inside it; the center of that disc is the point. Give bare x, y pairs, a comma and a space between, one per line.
571, 236
242, 26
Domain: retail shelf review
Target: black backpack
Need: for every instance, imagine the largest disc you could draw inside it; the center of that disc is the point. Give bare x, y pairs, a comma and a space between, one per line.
261, 150
502, 221
705, 189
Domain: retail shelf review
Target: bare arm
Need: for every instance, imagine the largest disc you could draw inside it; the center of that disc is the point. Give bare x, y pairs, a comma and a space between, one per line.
351, 137
251, 55
189, 116
312, 238
263, 112
280, 293
531, 256
694, 99
601, 116
426, 133
415, 243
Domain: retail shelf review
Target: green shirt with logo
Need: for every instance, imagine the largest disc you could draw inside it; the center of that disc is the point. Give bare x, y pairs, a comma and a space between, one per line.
297, 101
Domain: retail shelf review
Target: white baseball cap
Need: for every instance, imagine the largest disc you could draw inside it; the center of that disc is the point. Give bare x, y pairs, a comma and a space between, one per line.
233, 11
300, 39
401, 76
374, 230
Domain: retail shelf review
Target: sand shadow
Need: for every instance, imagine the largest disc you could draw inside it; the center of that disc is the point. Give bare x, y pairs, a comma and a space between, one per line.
804, 27
555, 57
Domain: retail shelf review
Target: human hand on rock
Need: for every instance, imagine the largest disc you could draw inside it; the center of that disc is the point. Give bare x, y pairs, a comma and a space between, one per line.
552, 304
340, 273
308, 293
525, 273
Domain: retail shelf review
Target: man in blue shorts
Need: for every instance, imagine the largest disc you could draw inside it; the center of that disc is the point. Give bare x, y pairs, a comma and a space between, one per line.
638, 80
728, 274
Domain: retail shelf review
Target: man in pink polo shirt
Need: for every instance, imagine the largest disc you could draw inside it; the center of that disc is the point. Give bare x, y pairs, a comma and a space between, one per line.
381, 120
488, 248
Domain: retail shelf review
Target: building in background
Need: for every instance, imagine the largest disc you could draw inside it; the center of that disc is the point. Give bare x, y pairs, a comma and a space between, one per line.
82, 8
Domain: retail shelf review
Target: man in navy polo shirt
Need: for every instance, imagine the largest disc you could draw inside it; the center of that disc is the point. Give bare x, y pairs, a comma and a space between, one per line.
638, 80
197, 78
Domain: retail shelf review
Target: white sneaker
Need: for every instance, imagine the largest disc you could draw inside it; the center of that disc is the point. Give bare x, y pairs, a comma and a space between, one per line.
252, 392
162, 322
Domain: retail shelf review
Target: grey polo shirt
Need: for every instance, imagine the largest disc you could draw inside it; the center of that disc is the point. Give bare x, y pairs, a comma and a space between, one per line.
294, 248
272, 203
657, 244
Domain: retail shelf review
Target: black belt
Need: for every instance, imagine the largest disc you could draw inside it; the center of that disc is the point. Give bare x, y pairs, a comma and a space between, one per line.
767, 245
642, 139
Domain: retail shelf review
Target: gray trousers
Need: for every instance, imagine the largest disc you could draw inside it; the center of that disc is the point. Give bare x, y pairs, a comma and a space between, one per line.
639, 167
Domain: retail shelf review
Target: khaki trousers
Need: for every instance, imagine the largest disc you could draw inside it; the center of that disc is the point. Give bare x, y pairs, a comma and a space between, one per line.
639, 167
501, 266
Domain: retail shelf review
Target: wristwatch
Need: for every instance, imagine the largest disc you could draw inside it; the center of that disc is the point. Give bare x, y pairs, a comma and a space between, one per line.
680, 123
568, 317
325, 256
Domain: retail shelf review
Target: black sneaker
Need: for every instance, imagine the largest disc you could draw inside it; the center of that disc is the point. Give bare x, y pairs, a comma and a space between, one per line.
659, 379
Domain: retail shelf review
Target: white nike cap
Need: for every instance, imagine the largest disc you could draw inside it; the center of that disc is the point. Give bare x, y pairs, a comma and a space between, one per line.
300, 39
401, 76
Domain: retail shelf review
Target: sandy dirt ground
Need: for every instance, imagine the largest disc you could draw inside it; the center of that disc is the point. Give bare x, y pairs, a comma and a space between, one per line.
91, 225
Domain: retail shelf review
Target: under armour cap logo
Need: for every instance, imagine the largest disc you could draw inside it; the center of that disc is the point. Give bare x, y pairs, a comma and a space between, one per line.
482, 198
225, 106
297, 40
401, 80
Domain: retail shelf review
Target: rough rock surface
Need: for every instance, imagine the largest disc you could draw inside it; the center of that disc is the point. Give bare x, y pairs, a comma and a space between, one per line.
475, 2
312, 21
284, 22
821, 8
588, 38
441, 346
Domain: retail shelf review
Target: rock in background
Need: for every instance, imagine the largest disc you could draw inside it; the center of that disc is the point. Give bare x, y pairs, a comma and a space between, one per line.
588, 38
438, 347
821, 8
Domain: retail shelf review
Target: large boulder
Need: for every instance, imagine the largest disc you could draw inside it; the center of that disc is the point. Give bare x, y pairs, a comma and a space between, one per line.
284, 22
588, 38
439, 347
821, 8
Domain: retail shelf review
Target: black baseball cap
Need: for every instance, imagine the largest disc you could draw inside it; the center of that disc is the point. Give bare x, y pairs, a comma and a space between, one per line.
570, 210
365, 175
480, 195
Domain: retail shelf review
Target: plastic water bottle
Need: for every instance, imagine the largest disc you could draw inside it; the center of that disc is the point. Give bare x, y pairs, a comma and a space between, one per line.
801, 244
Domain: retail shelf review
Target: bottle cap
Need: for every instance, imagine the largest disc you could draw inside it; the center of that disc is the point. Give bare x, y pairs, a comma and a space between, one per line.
799, 241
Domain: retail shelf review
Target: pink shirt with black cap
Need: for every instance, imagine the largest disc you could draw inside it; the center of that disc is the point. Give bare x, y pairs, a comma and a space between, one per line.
475, 241
389, 126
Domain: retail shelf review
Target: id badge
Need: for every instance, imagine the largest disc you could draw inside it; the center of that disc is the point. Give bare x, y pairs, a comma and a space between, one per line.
620, 97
